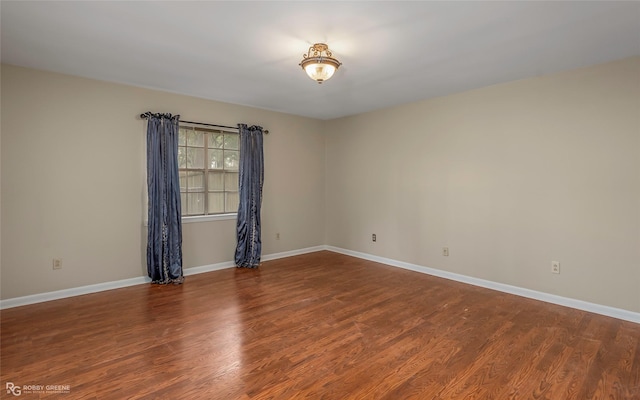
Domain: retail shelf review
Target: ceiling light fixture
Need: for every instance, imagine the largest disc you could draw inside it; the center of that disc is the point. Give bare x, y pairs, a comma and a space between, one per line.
319, 63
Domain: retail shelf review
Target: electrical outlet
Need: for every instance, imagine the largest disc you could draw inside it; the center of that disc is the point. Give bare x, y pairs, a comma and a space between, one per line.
555, 267
445, 251
57, 263
373, 237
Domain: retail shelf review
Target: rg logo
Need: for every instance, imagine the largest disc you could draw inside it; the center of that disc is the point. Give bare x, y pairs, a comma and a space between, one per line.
13, 389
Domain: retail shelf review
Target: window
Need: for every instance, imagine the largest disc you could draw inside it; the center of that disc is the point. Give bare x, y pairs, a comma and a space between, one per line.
208, 162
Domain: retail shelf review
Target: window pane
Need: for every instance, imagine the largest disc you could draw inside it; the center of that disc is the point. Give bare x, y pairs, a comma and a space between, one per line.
231, 159
216, 202
195, 157
216, 180
231, 181
231, 141
215, 140
182, 157
214, 171
195, 138
232, 202
215, 159
195, 203
183, 203
183, 181
195, 182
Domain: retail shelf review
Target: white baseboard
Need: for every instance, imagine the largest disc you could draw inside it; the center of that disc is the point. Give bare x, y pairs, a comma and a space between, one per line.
100, 287
501, 287
532, 294
208, 268
292, 253
77, 291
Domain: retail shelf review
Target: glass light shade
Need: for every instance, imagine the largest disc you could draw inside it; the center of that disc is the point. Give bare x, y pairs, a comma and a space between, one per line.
319, 63
320, 72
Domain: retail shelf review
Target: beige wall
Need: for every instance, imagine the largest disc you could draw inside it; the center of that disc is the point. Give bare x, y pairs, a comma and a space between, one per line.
509, 177
72, 176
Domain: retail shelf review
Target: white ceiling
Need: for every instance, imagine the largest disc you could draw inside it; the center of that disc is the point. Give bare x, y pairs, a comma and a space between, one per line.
248, 52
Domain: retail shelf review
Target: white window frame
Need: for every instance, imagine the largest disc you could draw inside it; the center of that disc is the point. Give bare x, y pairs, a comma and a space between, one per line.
186, 219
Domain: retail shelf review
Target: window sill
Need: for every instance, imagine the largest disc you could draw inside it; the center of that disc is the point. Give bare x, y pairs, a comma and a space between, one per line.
206, 218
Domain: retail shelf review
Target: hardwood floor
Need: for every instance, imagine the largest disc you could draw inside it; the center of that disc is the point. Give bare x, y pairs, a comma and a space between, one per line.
318, 326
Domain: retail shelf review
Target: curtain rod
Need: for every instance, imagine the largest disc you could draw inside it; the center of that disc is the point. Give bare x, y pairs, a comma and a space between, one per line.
266, 131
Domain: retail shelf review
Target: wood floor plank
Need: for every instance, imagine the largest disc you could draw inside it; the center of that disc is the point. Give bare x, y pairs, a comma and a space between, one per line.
317, 326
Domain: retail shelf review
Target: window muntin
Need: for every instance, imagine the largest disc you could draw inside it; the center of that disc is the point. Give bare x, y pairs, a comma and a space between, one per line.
208, 162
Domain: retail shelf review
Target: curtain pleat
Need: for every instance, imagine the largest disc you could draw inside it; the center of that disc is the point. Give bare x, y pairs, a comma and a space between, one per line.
249, 243
164, 236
